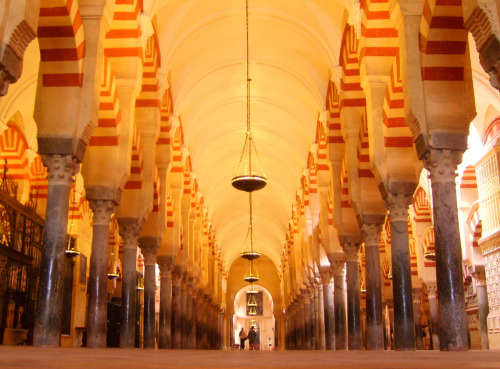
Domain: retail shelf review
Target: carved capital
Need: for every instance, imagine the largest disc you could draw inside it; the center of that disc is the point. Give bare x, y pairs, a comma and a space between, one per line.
176, 278
129, 229
166, 269
102, 209
61, 168
326, 275
338, 267
417, 296
442, 165
432, 291
351, 251
480, 277
371, 234
398, 203
149, 248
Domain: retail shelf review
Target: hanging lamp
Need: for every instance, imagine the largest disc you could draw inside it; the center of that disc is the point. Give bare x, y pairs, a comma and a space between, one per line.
250, 252
251, 275
113, 272
252, 310
252, 301
247, 178
251, 289
71, 248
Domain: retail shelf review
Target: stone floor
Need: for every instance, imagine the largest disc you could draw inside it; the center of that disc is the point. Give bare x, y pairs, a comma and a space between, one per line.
69, 358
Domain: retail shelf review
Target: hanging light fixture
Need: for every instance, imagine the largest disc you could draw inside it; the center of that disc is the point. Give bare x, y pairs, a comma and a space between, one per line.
251, 289
251, 276
252, 301
252, 310
113, 272
247, 178
249, 252
140, 284
71, 248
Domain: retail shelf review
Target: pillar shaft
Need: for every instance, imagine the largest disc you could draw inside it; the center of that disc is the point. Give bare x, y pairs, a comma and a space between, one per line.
453, 320
355, 337
321, 317
98, 275
433, 310
129, 231
176, 308
404, 328
48, 318
149, 247
374, 331
482, 302
165, 333
184, 314
192, 322
328, 314
417, 314
339, 304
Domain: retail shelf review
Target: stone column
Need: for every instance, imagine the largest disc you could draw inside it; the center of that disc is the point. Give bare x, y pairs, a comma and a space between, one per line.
48, 318
326, 280
404, 327
374, 332
355, 337
417, 314
320, 313
312, 319
338, 264
184, 312
200, 310
129, 230
301, 324
176, 307
166, 267
482, 302
149, 248
98, 275
193, 318
433, 310
453, 322
307, 321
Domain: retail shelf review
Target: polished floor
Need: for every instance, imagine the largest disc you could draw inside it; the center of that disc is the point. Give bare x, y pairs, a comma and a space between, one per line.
69, 358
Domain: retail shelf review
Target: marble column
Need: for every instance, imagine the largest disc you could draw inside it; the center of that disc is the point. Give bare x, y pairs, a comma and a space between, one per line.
482, 302
326, 280
374, 331
453, 322
200, 310
98, 275
312, 318
193, 316
301, 338
184, 311
48, 316
307, 321
434, 312
404, 327
166, 267
129, 230
417, 314
355, 336
149, 247
339, 304
176, 306
320, 313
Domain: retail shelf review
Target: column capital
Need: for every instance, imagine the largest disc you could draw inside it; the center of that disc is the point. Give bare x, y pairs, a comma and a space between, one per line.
176, 277
149, 248
398, 203
130, 230
480, 277
337, 263
326, 275
442, 165
351, 251
166, 267
371, 234
432, 291
417, 296
61, 168
102, 211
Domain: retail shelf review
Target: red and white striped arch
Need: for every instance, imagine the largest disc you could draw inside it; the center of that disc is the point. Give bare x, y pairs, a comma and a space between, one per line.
149, 96
38, 175
474, 223
352, 95
363, 152
136, 179
429, 245
333, 107
421, 206
13, 148
468, 180
442, 41
62, 43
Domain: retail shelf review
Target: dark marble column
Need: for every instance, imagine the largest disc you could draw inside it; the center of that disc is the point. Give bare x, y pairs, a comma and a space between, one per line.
404, 327
320, 313
326, 280
301, 324
200, 311
355, 336
434, 312
307, 321
453, 322
166, 267
417, 314
374, 331
338, 264
149, 247
193, 315
129, 230
98, 275
482, 302
176, 306
184, 311
48, 317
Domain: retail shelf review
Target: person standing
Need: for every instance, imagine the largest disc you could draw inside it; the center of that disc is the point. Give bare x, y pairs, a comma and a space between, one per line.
243, 337
252, 338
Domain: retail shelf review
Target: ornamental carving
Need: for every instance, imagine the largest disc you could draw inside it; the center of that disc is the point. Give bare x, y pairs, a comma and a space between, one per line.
61, 168
102, 209
351, 251
371, 234
442, 165
398, 203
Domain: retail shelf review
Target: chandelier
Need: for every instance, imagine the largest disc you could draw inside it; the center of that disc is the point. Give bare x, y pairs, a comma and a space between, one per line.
71, 248
249, 252
251, 275
247, 177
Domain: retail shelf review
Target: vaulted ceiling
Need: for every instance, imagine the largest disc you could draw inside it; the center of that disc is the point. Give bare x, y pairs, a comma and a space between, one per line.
293, 47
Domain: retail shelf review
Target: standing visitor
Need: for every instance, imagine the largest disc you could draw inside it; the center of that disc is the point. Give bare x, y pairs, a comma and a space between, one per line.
243, 337
252, 338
